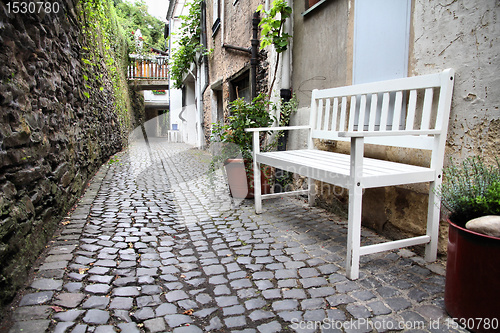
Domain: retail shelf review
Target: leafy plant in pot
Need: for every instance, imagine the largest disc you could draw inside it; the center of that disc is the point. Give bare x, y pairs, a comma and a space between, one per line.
471, 194
233, 146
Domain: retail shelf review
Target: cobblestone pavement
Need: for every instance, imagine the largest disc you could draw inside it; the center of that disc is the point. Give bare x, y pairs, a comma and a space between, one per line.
152, 247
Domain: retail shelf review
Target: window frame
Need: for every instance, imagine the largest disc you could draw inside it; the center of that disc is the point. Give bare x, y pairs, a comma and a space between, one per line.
310, 8
216, 20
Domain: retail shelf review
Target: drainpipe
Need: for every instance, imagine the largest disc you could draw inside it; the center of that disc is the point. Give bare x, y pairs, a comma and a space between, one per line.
286, 95
285, 91
254, 60
253, 51
222, 37
203, 68
199, 106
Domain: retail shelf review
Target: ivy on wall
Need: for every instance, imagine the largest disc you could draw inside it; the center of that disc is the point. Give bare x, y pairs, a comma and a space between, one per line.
272, 25
188, 44
108, 56
272, 33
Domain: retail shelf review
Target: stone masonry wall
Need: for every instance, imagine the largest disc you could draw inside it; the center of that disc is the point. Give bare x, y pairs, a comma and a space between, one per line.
226, 64
53, 137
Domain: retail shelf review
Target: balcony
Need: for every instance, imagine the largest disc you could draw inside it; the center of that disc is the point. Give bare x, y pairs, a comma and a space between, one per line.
148, 73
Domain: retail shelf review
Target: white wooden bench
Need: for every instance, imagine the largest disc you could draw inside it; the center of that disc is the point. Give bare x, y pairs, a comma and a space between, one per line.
411, 112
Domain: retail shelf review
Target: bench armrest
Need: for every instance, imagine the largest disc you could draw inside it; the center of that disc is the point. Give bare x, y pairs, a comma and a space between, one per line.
359, 134
283, 128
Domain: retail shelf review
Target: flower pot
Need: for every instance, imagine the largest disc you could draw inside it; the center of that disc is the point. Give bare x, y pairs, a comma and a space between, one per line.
241, 182
472, 289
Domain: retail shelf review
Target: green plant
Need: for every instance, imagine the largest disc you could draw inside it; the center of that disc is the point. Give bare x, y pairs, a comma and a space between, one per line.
188, 45
104, 57
232, 134
272, 33
470, 190
286, 109
272, 25
133, 16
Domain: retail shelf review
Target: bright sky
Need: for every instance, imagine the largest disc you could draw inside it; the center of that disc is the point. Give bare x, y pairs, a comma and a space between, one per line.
157, 8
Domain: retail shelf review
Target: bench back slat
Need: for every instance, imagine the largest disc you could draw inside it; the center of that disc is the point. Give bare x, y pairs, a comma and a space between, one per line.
373, 112
397, 110
319, 114
385, 112
352, 113
362, 112
343, 111
426, 112
394, 105
326, 123
412, 105
335, 111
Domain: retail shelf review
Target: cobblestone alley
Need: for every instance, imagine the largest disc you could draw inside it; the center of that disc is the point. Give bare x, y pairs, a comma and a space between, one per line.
153, 247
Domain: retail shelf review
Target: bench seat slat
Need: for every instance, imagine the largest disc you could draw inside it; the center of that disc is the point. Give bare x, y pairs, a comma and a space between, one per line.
335, 168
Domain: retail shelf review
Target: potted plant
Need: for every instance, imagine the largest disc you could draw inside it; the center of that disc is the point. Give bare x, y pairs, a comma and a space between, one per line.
234, 148
471, 194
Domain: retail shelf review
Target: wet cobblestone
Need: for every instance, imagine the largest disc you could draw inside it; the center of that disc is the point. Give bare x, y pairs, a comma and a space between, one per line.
153, 246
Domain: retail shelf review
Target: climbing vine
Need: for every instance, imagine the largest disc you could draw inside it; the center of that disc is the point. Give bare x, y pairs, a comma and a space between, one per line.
188, 43
108, 55
272, 25
272, 33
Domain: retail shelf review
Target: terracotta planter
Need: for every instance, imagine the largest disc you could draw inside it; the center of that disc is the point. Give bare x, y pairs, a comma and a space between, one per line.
241, 182
472, 289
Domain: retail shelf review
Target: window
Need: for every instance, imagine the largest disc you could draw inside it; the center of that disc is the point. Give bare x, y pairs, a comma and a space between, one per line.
240, 87
381, 40
310, 5
381, 44
216, 16
217, 102
220, 108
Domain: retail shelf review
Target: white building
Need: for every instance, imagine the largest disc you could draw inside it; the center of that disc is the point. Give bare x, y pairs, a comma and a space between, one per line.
186, 108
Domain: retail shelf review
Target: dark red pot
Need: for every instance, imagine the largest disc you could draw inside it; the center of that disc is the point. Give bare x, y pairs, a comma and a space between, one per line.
472, 290
241, 182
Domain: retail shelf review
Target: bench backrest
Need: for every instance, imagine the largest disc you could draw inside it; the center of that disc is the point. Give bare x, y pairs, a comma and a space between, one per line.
412, 103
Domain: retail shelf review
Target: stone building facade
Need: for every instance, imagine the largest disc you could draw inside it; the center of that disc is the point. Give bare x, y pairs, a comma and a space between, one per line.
343, 42
431, 37
229, 24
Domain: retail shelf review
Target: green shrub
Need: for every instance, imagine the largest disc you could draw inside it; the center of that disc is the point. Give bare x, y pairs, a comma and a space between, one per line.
470, 190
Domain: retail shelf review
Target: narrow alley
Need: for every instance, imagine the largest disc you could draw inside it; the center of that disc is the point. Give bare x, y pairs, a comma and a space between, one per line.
154, 246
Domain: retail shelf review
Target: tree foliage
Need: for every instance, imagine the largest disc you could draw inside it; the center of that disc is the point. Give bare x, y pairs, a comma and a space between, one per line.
133, 16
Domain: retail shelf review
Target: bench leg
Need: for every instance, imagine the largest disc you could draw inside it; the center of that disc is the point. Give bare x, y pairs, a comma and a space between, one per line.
257, 187
312, 191
354, 233
355, 205
432, 224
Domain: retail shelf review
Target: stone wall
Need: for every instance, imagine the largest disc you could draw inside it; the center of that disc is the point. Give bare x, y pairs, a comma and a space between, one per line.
56, 128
